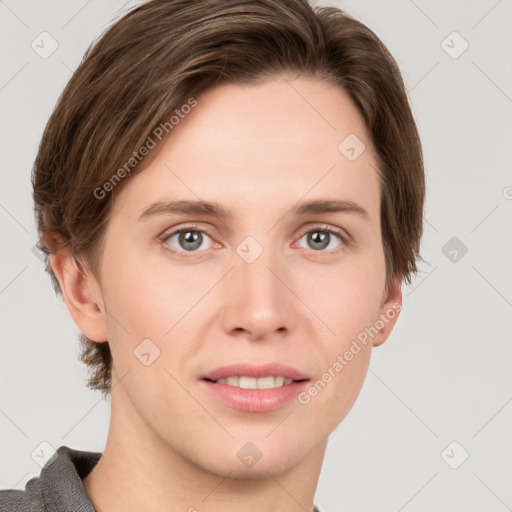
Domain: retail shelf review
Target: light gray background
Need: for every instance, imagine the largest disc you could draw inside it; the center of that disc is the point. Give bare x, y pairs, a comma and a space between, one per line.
443, 376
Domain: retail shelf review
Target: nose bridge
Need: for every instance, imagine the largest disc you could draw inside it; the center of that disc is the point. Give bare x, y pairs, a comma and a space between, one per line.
256, 268
258, 300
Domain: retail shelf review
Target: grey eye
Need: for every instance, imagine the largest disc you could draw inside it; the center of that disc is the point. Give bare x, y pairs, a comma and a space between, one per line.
189, 240
320, 239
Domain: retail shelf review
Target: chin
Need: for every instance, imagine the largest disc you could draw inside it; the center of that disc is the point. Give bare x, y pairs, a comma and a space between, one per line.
275, 466
235, 461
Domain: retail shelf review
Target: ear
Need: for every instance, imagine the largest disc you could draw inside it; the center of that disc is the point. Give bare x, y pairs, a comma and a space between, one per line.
82, 294
388, 312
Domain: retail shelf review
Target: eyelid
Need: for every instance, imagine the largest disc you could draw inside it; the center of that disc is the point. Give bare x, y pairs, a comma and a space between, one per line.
177, 229
342, 233
345, 237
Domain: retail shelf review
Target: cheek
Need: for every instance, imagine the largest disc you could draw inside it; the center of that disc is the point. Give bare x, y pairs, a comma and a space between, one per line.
346, 300
347, 303
348, 306
149, 298
132, 293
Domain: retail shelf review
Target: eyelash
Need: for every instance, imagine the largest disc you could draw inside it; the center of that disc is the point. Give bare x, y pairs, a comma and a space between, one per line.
344, 239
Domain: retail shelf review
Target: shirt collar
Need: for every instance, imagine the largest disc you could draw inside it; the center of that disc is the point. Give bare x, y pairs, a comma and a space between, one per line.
61, 480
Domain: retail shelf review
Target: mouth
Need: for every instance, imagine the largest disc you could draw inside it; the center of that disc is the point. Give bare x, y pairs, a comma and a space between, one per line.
246, 382
255, 388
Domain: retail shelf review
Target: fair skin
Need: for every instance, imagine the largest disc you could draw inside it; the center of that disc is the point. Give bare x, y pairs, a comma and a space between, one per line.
258, 151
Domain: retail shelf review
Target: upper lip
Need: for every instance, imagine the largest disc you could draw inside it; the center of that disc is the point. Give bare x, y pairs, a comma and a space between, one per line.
252, 370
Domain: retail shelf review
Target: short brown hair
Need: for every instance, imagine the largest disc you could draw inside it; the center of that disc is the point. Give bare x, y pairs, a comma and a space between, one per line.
162, 53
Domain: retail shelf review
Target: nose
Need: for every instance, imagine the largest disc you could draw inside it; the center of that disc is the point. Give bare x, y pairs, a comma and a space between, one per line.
259, 302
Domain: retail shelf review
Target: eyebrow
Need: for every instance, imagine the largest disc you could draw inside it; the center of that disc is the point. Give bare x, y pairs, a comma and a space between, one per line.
213, 209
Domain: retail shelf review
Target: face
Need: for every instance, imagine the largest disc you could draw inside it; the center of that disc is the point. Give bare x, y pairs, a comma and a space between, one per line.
200, 308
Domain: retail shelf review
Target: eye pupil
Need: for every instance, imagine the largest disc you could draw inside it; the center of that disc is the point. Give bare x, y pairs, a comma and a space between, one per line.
188, 238
320, 237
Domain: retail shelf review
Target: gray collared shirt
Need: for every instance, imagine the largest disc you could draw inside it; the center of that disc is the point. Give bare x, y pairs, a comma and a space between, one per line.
58, 488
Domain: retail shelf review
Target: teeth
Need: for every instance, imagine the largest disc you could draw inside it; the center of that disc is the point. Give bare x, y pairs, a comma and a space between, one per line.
278, 381
255, 383
232, 381
268, 383
248, 383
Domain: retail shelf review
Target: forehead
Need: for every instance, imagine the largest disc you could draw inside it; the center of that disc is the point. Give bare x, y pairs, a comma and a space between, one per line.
283, 115
248, 144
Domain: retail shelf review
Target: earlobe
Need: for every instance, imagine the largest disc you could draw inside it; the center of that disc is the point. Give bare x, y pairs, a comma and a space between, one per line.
82, 294
388, 313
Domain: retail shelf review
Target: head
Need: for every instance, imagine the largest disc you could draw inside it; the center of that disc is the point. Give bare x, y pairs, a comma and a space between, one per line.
254, 106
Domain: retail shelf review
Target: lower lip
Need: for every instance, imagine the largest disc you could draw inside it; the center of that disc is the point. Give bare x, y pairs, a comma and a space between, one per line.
255, 400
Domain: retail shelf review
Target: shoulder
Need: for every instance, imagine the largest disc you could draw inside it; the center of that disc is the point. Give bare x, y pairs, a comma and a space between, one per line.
58, 486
